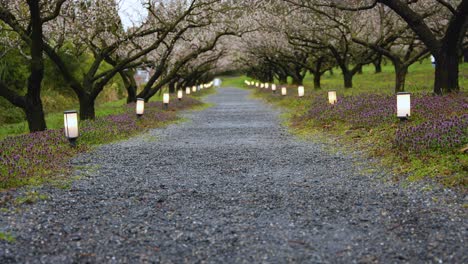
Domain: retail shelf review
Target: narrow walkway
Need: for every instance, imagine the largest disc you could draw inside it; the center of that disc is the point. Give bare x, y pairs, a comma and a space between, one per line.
231, 186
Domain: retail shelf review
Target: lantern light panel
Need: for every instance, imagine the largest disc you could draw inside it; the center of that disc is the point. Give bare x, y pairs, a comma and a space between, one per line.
300, 91
180, 94
283, 91
403, 105
140, 106
166, 98
187, 90
332, 97
70, 119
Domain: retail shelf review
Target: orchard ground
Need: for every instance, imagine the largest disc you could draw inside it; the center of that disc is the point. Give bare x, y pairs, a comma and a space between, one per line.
430, 146
43, 157
377, 135
230, 185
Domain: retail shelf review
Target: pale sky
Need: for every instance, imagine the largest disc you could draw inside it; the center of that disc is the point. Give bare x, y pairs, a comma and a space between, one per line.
131, 11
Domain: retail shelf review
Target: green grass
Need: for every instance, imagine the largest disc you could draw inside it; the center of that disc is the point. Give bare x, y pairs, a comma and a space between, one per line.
7, 236
232, 81
448, 168
30, 197
420, 79
204, 92
159, 95
55, 120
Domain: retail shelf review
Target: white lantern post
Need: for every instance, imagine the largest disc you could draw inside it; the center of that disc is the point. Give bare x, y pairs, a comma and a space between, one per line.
300, 91
140, 107
403, 105
217, 82
194, 89
70, 119
332, 99
284, 91
166, 100
187, 90
180, 94
273, 88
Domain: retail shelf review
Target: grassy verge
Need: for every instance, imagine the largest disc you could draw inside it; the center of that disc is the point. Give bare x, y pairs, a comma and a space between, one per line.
54, 120
8, 237
430, 145
232, 81
419, 80
36, 158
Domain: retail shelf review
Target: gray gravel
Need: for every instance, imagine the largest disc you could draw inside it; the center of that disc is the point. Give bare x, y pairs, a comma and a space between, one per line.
233, 186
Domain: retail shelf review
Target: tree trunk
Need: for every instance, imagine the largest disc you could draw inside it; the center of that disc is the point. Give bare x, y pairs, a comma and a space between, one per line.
270, 77
87, 107
297, 80
400, 77
359, 71
130, 86
35, 115
131, 93
317, 77
283, 79
378, 64
446, 73
348, 79
172, 87
157, 88
33, 107
33, 104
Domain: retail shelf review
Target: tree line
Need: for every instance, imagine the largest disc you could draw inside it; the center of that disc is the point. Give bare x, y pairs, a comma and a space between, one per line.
300, 36
177, 40
187, 42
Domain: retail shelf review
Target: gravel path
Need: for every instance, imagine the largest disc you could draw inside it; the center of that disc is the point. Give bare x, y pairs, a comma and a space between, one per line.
232, 186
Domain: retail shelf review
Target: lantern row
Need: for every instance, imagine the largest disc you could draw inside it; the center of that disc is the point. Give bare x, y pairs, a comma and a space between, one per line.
70, 117
403, 98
